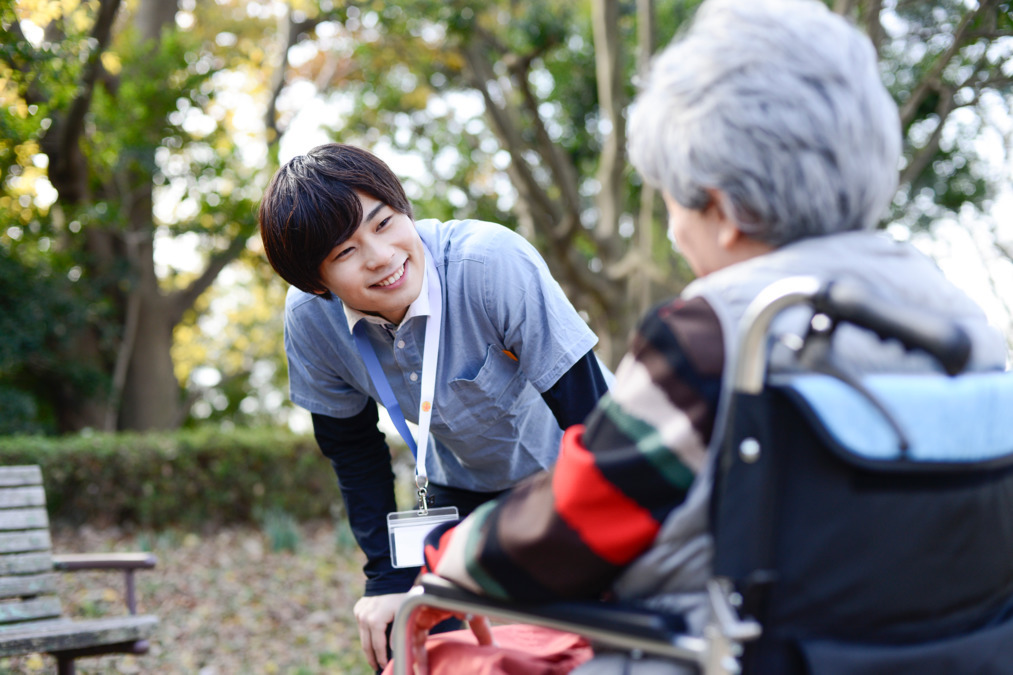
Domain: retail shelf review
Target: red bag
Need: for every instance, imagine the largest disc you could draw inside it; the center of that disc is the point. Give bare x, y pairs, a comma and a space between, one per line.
520, 649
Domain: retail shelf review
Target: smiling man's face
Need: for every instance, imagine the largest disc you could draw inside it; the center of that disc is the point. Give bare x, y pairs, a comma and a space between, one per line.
379, 269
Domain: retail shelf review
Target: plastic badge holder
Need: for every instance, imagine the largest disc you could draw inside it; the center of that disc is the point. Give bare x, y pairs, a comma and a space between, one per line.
408, 530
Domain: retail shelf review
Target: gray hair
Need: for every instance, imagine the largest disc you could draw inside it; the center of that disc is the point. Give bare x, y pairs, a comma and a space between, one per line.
779, 105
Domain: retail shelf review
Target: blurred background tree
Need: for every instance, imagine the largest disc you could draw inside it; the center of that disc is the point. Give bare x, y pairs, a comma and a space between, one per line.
137, 136
117, 141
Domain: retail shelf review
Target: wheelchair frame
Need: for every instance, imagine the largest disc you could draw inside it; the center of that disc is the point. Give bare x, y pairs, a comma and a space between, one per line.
717, 651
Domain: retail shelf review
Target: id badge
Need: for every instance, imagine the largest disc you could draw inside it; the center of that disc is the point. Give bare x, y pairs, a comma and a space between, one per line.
408, 530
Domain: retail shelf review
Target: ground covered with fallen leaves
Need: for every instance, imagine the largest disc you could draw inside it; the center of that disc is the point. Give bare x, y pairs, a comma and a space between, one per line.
270, 600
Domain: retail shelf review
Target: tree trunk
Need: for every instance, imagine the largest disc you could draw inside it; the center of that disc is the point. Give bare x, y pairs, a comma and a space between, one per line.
151, 396
640, 295
145, 391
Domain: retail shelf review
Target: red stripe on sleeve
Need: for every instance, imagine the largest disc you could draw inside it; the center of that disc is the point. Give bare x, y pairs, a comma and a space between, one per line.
432, 556
613, 526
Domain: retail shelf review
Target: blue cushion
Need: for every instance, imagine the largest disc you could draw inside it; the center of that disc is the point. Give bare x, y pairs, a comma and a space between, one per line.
963, 420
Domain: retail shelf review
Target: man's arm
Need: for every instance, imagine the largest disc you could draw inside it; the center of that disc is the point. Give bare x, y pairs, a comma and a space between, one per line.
361, 459
575, 394
569, 532
360, 456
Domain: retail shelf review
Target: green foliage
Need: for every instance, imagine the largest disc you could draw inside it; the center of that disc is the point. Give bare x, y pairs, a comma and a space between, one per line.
193, 479
152, 132
39, 317
162, 126
281, 529
946, 63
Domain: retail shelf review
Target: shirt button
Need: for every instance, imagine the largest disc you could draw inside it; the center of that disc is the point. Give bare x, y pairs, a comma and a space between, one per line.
400, 344
413, 377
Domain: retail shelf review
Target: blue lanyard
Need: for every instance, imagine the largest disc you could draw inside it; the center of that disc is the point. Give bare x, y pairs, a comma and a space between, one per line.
387, 397
429, 359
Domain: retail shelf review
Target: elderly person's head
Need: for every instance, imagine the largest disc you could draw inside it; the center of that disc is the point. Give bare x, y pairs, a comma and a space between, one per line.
770, 114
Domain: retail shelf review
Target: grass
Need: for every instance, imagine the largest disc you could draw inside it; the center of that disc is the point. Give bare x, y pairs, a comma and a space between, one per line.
270, 600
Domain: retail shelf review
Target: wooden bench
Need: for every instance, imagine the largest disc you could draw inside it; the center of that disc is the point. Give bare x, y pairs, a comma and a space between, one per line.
31, 619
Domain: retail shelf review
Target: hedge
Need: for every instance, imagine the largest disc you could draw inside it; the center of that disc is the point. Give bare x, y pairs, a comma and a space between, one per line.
189, 479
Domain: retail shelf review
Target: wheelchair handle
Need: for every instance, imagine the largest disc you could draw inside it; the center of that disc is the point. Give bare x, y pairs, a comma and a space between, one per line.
843, 301
942, 338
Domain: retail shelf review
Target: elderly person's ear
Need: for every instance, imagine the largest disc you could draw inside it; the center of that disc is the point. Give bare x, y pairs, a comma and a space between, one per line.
720, 213
736, 242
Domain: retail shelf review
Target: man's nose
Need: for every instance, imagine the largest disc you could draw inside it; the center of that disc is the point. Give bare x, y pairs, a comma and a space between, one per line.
378, 254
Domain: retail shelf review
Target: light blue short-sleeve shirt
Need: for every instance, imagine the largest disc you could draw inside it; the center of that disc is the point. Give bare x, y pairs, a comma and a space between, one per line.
490, 426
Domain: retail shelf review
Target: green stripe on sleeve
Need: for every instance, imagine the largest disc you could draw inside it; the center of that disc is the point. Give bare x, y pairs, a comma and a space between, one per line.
650, 444
475, 537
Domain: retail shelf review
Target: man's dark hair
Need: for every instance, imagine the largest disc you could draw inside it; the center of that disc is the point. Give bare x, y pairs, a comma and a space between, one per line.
310, 207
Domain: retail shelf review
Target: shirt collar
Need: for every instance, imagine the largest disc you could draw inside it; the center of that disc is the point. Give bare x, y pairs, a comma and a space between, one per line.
419, 306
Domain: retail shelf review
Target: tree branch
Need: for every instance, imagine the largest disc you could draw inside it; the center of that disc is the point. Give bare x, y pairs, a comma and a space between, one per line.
509, 135
923, 157
184, 298
295, 29
873, 25
611, 99
563, 170
932, 80
62, 143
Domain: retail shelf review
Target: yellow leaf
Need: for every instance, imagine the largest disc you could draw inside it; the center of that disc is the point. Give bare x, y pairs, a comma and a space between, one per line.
111, 62
68, 6
35, 662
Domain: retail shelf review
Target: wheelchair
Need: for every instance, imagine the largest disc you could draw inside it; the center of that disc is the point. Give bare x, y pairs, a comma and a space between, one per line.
861, 523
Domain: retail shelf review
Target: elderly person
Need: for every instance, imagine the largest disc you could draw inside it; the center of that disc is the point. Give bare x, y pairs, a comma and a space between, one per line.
776, 148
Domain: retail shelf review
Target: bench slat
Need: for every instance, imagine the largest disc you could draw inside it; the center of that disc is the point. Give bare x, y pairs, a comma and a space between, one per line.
46, 607
26, 563
20, 475
23, 519
16, 497
52, 636
27, 585
24, 541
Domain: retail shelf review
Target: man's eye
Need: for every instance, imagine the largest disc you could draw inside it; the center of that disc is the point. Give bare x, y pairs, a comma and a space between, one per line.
383, 223
344, 253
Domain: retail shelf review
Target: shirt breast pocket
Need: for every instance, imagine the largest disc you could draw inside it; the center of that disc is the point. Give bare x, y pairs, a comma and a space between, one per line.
489, 395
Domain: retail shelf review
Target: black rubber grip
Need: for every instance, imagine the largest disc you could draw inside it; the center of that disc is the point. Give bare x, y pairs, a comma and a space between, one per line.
945, 340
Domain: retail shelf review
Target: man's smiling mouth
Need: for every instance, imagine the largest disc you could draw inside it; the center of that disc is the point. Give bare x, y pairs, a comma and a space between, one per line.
392, 278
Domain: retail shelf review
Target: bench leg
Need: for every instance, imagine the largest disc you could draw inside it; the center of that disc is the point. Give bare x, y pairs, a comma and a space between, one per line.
64, 665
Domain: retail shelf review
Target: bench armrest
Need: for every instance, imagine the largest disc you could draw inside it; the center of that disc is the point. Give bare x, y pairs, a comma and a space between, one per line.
71, 562
126, 562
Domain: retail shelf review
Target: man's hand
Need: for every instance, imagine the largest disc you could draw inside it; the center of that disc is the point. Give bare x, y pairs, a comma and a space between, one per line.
373, 614
429, 617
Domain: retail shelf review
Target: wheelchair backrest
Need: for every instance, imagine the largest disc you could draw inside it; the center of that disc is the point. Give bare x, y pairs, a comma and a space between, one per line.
881, 513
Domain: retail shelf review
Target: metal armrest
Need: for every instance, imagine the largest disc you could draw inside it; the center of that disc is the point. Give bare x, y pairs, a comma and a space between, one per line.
127, 562
608, 625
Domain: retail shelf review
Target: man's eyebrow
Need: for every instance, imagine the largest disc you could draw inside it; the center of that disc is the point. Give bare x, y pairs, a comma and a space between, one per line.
376, 209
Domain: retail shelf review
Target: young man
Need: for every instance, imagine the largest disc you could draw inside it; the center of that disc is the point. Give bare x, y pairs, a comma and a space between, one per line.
513, 365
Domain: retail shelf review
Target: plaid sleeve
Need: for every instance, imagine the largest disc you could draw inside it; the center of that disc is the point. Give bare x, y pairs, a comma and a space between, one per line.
569, 532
